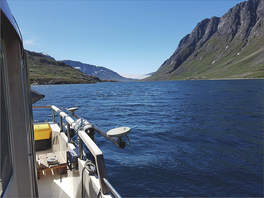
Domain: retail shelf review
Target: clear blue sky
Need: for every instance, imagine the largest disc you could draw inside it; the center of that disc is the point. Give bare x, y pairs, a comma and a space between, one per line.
132, 38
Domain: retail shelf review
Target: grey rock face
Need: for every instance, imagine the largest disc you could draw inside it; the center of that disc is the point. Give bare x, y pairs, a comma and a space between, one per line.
231, 32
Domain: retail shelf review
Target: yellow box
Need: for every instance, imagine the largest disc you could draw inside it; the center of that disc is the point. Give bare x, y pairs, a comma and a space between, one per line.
42, 131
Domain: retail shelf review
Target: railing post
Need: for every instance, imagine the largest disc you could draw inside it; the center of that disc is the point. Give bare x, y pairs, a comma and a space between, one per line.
68, 131
61, 129
53, 116
80, 148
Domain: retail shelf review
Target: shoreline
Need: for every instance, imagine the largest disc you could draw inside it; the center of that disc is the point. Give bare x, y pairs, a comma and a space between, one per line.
36, 84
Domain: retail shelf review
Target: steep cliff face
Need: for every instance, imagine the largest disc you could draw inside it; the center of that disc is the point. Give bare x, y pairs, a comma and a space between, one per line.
227, 47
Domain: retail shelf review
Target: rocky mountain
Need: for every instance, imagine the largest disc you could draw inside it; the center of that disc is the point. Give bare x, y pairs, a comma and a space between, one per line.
101, 72
44, 69
231, 46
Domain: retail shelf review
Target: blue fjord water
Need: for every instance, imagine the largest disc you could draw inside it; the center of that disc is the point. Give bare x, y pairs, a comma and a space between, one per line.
189, 138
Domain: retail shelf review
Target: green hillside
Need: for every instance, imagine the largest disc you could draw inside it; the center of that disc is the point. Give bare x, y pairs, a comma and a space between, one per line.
45, 70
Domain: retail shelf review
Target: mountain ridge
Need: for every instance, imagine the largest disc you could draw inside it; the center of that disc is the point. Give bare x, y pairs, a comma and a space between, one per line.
98, 71
87, 73
220, 47
44, 70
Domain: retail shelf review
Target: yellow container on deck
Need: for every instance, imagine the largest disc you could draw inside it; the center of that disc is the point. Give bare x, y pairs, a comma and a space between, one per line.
42, 131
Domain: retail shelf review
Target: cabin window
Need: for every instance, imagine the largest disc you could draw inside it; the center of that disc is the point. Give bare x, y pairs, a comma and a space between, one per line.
5, 146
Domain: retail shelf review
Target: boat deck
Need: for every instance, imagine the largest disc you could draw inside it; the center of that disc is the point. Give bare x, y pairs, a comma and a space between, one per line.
50, 182
51, 185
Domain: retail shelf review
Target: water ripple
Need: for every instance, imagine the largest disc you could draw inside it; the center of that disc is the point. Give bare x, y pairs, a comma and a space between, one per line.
189, 138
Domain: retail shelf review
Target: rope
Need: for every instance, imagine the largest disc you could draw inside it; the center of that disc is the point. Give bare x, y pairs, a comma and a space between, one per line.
79, 126
90, 167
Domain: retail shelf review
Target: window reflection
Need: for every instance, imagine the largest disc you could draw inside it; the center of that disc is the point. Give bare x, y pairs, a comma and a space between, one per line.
5, 153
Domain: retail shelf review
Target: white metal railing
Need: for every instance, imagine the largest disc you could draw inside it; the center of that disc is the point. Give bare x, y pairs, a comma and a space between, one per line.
106, 187
98, 156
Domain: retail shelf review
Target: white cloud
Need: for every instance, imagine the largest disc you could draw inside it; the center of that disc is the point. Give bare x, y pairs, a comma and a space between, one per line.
30, 42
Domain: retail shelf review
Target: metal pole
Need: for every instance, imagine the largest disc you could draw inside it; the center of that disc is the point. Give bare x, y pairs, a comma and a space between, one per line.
111, 188
68, 131
61, 124
80, 148
53, 115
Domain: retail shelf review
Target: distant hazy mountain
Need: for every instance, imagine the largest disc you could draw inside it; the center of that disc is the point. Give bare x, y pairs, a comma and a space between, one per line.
101, 72
228, 47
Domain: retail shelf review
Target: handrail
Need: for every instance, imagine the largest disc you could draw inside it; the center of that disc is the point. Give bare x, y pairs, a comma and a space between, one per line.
99, 158
63, 114
41, 107
113, 191
71, 122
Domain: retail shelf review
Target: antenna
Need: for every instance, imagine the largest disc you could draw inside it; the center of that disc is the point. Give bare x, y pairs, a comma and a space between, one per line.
119, 133
72, 110
114, 135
